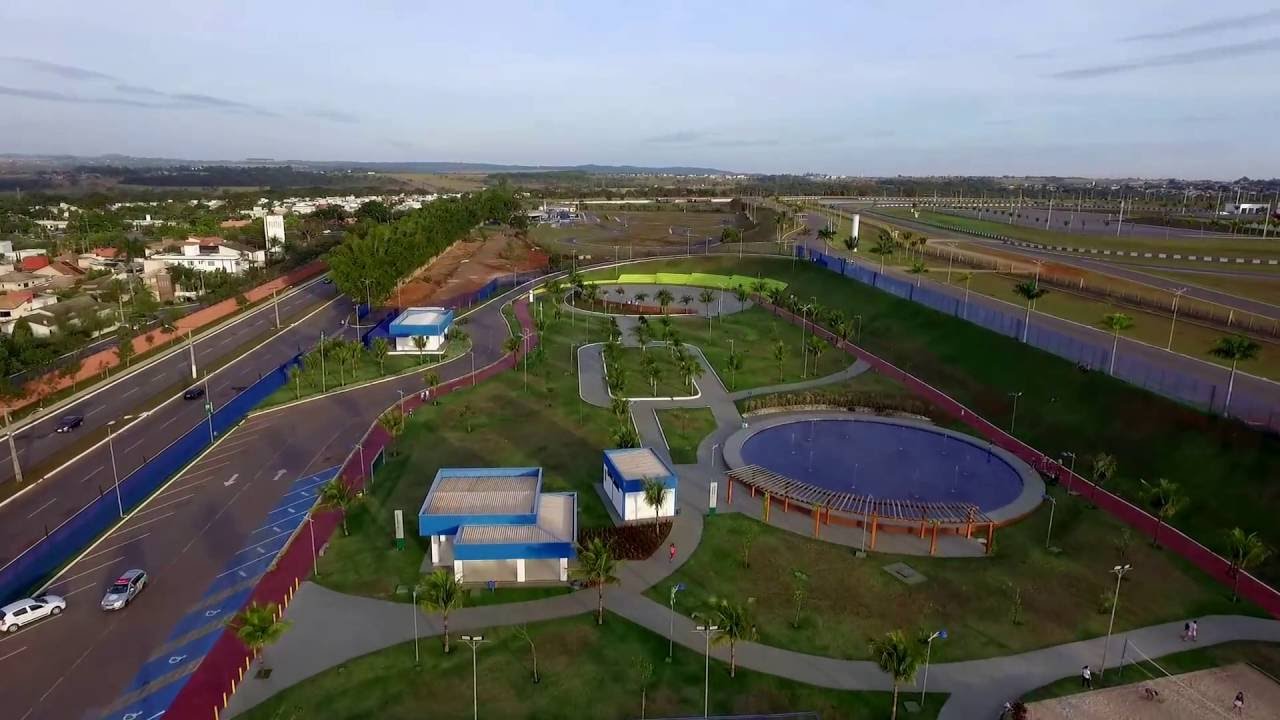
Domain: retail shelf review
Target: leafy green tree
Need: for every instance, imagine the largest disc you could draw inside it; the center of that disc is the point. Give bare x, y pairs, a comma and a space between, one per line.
380, 349
1104, 468
1165, 499
596, 567
736, 623
644, 676
1115, 322
124, 344
664, 298
799, 591
393, 421
1245, 550
1236, 348
440, 592
898, 658
337, 495
259, 626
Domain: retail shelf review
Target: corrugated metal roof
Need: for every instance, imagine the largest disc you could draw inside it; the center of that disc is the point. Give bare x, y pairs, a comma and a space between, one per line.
484, 495
638, 463
498, 534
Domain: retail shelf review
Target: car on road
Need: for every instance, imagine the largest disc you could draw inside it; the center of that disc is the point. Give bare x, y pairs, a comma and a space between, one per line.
69, 423
194, 393
26, 611
124, 589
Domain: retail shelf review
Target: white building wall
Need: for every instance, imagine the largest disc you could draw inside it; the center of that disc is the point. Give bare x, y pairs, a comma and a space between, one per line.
435, 343
636, 509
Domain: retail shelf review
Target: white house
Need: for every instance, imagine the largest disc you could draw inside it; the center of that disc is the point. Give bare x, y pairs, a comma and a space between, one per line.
213, 253
18, 280
431, 323
17, 305
625, 472
273, 230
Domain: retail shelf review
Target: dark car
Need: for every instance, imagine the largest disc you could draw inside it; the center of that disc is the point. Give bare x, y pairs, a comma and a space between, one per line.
194, 393
69, 423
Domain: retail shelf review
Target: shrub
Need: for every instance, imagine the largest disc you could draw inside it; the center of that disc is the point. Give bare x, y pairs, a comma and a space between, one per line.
629, 542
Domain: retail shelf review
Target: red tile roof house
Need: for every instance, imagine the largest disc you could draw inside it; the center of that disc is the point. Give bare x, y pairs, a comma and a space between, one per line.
15, 305
32, 263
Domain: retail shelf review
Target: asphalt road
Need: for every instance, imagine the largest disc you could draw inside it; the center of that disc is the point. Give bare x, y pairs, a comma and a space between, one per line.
1119, 270
47, 503
76, 665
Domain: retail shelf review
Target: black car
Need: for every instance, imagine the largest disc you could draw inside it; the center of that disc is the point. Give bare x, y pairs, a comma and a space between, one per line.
69, 423
194, 393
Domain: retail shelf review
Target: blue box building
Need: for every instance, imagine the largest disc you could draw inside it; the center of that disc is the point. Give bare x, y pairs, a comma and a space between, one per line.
625, 471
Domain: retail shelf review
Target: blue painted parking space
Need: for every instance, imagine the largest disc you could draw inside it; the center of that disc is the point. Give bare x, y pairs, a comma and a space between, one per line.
161, 678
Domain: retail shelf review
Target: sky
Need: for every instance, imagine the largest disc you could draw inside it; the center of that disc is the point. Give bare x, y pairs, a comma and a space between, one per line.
1092, 88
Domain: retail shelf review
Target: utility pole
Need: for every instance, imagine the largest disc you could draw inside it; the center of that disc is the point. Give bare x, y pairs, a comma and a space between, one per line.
474, 641
191, 345
13, 450
275, 302
1119, 571
708, 631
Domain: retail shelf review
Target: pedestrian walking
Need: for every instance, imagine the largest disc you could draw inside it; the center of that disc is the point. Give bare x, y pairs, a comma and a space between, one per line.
671, 553
1237, 705
1186, 631
1086, 677
1195, 631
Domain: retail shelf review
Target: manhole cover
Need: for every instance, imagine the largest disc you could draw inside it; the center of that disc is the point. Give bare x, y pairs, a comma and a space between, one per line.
905, 573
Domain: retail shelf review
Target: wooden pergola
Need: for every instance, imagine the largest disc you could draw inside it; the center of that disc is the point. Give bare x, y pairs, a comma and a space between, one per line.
861, 510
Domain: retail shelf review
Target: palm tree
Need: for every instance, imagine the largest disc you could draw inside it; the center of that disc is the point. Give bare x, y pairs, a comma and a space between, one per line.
393, 421
736, 624
1245, 550
706, 297
690, 369
1030, 291
641, 297
420, 342
685, 300
464, 413
664, 298
1165, 498
1104, 468
741, 293
652, 371
337, 495
654, 492
898, 658
641, 331
1115, 322
596, 565
259, 626
511, 345
816, 346
442, 593
734, 363
380, 348
431, 378
1234, 348
779, 355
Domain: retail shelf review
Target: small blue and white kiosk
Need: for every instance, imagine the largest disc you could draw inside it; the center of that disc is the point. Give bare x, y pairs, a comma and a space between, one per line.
625, 471
431, 323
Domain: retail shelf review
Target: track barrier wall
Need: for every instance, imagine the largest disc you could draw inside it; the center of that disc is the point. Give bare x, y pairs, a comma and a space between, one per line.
1217, 567
1170, 383
61, 544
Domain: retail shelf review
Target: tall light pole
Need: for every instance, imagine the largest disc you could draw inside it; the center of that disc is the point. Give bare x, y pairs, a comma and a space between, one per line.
708, 631
1071, 471
1014, 419
115, 473
474, 641
924, 686
415, 625
1119, 571
13, 450
671, 634
275, 303
208, 406
1053, 505
191, 346
1177, 295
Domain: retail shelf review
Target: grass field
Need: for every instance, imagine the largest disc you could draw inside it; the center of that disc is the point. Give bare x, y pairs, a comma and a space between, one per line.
586, 671
304, 383
1224, 467
1266, 289
623, 229
684, 428
717, 281
637, 384
1264, 656
849, 601
1098, 238
547, 425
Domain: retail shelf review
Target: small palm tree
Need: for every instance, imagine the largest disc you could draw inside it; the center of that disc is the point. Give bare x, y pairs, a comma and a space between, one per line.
654, 492
430, 379
1104, 468
743, 295
706, 297
420, 342
736, 625
641, 331
779, 355
664, 298
596, 565
641, 297
1234, 348
1115, 322
685, 300
380, 348
898, 658
259, 626
442, 593
1165, 499
816, 346
1245, 550
393, 421
653, 372
1030, 291
465, 413
511, 345
337, 495
734, 363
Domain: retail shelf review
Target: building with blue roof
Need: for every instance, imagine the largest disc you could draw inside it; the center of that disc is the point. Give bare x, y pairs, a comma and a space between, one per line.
431, 323
625, 471
496, 524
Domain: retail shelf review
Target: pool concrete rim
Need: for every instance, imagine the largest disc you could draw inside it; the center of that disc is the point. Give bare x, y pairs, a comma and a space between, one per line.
1030, 497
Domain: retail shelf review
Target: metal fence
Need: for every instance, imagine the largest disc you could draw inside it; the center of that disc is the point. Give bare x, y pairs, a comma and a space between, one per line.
59, 546
1162, 378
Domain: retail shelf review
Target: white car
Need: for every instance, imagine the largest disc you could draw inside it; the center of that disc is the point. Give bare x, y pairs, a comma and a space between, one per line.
24, 612
124, 590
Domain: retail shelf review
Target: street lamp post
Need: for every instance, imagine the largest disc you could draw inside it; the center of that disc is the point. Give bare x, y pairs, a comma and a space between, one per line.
474, 641
1053, 505
13, 449
1177, 295
191, 346
415, 625
115, 472
671, 633
1071, 471
1014, 419
208, 406
708, 631
1119, 571
401, 402
928, 650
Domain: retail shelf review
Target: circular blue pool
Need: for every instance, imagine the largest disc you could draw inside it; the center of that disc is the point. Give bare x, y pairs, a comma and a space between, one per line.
886, 460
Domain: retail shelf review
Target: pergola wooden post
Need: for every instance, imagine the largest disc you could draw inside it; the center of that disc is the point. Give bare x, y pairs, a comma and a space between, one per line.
875, 525
728, 499
991, 536
786, 504
933, 541
922, 527
766, 507
968, 525
817, 521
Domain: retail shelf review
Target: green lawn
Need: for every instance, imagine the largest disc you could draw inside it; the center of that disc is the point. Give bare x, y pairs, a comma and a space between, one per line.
850, 600
684, 428
1225, 468
586, 671
637, 384
1260, 287
1264, 656
333, 375
547, 425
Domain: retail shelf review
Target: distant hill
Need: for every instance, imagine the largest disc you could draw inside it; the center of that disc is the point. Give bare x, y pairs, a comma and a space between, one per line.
127, 161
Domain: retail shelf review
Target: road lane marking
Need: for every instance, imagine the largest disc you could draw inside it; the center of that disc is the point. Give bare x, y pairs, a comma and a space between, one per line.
191, 472
15, 652
238, 568
37, 510
125, 395
140, 440
92, 473
113, 547
148, 522
95, 568
82, 587
100, 407
164, 505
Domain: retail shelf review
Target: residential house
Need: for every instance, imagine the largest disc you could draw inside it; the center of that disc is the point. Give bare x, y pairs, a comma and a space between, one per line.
18, 280
46, 320
61, 273
32, 263
19, 304
100, 258
208, 254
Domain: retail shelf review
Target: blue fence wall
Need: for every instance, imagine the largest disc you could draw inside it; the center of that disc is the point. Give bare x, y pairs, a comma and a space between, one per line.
42, 559
1095, 354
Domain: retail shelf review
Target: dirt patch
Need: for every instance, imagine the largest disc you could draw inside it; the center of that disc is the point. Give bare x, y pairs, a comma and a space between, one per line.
1203, 695
468, 265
